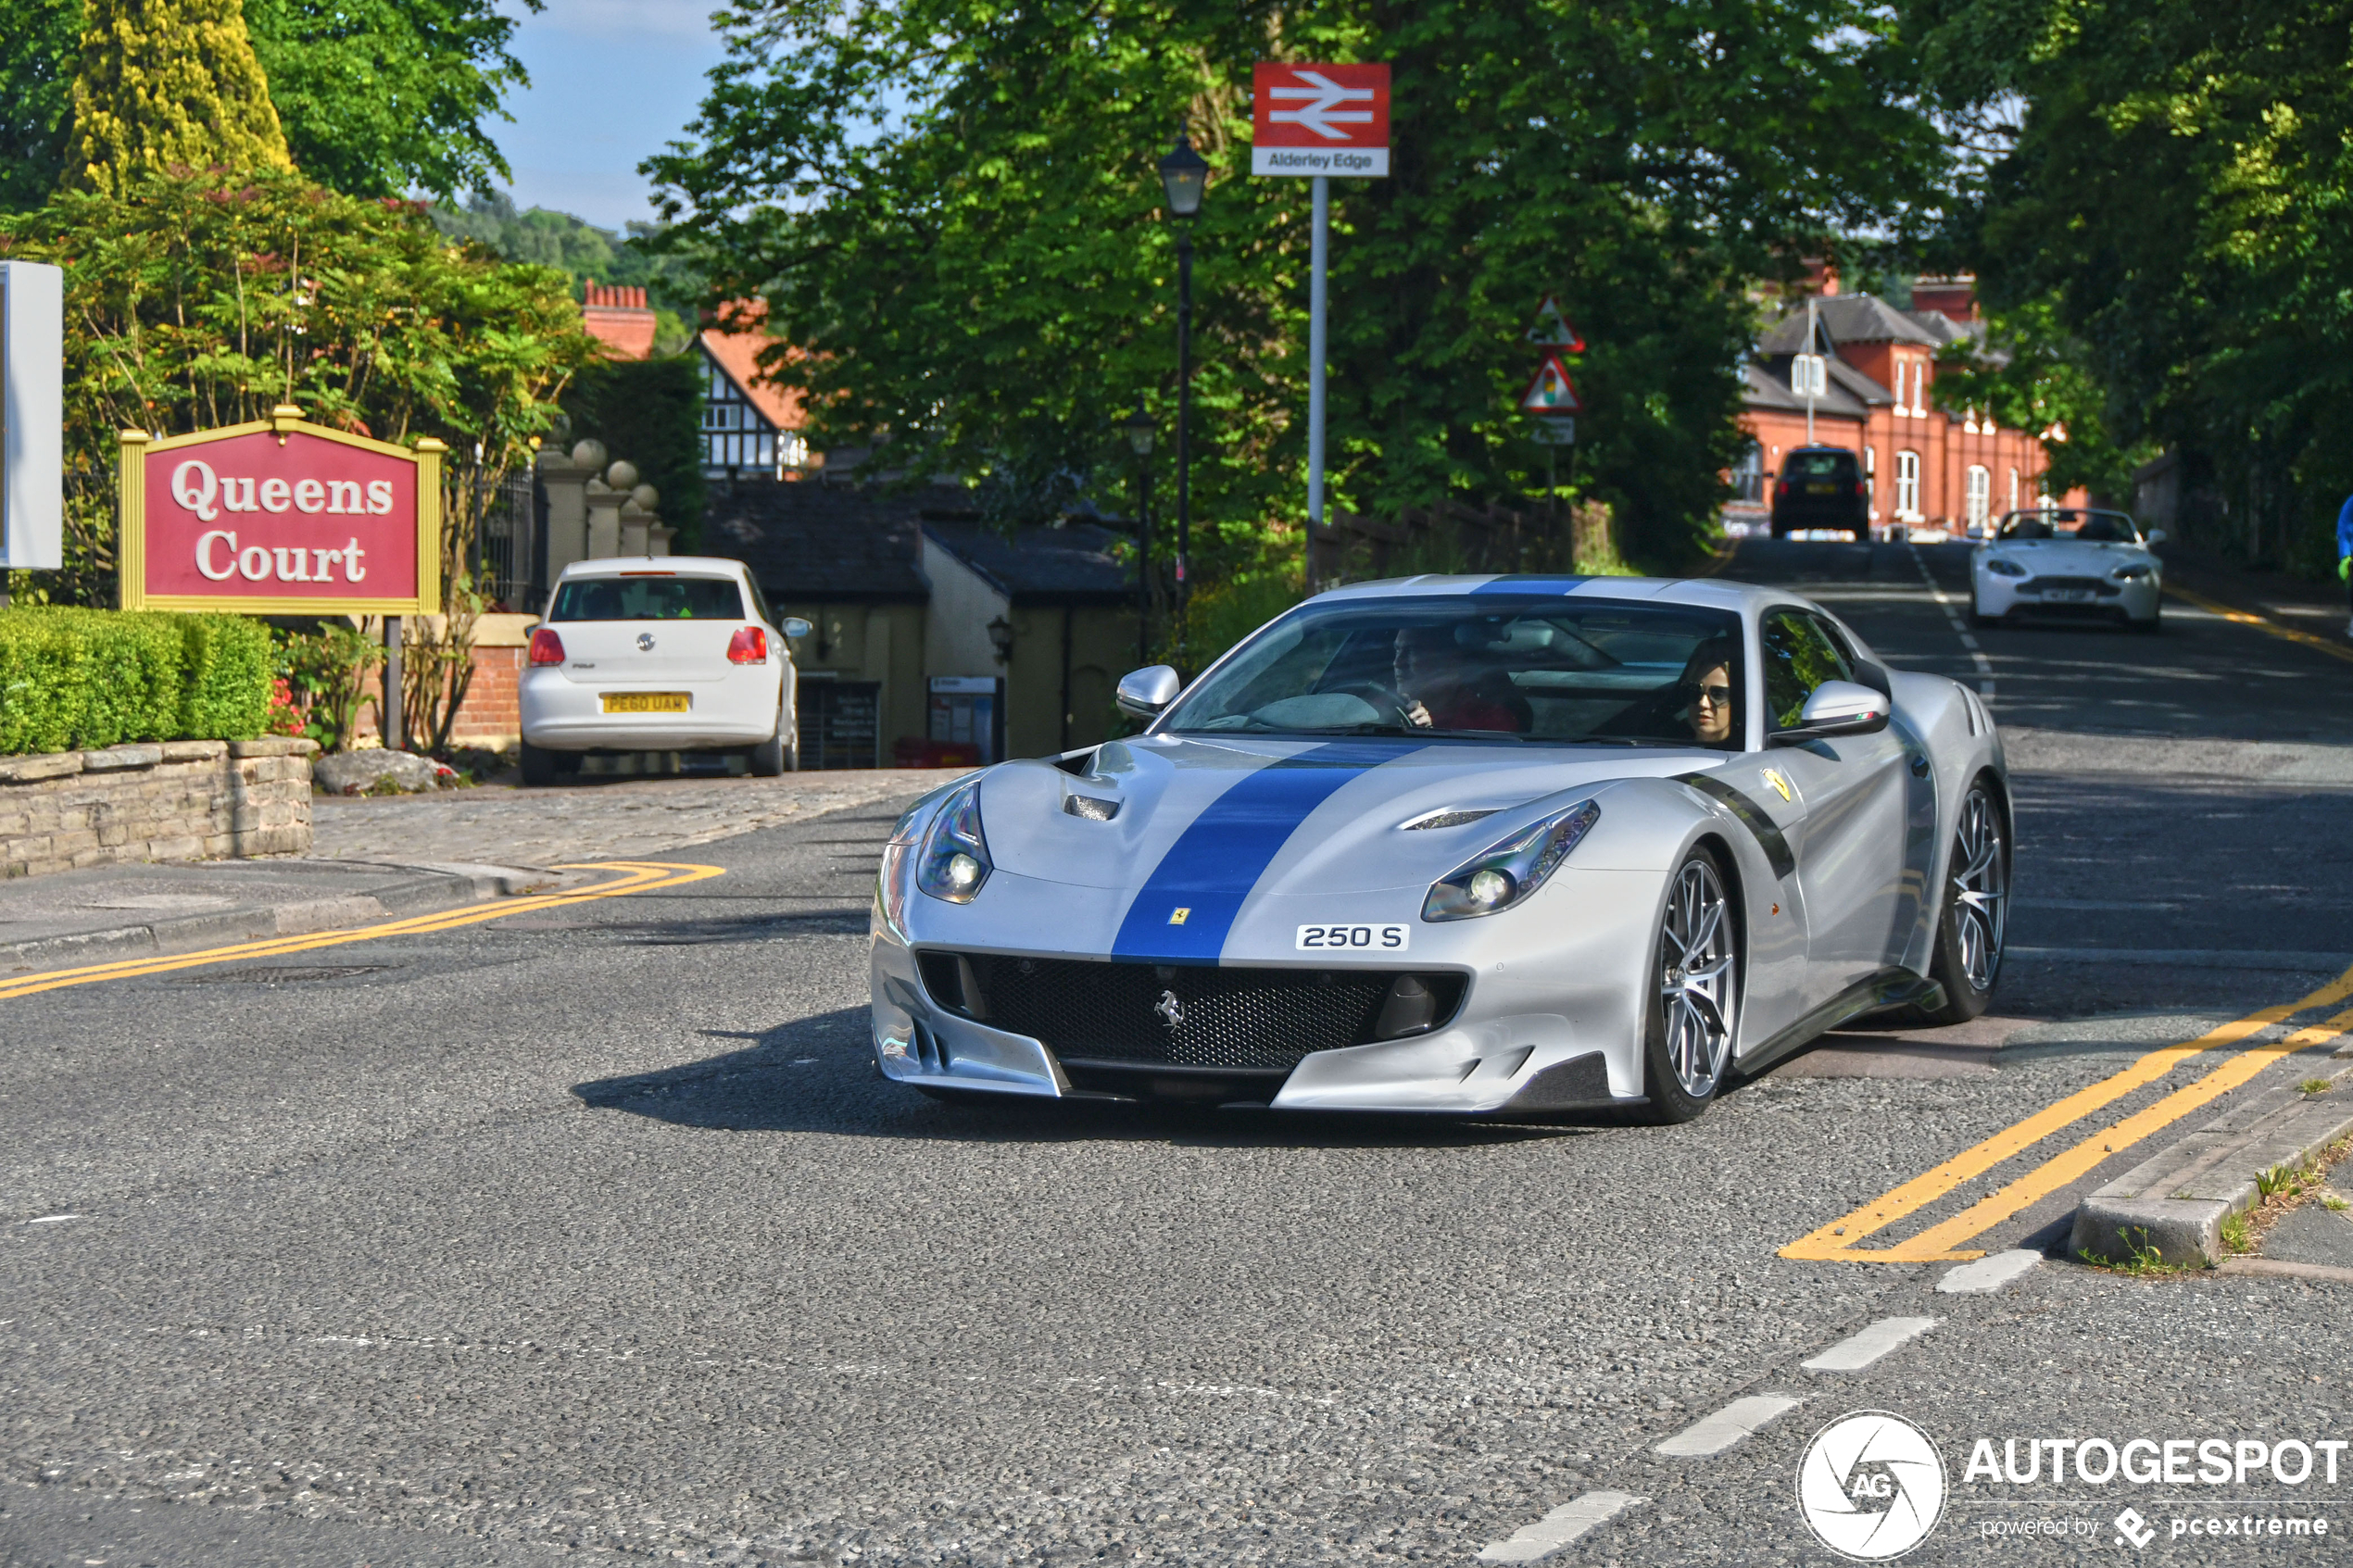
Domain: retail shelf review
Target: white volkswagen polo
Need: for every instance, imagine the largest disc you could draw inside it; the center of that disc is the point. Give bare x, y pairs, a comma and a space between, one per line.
668, 653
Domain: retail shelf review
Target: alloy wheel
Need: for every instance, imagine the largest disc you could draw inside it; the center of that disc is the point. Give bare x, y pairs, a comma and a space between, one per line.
1696, 990
1980, 889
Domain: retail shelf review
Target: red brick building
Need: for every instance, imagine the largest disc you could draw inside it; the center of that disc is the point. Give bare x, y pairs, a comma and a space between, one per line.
1927, 467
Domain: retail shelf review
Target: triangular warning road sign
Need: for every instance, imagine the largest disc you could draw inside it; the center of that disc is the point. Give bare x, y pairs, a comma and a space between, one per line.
1551, 392
1552, 328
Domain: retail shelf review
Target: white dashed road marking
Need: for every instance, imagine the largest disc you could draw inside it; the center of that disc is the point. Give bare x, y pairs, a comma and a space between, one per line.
1860, 1350
1713, 1435
1952, 613
1559, 1527
1988, 1274
52, 1219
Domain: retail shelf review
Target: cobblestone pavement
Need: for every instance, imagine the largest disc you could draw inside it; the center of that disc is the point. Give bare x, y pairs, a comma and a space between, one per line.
600, 819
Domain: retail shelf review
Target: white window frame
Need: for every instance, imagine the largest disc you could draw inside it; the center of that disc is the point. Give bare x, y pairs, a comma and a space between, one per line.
1981, 493
2013, 487
1907, 485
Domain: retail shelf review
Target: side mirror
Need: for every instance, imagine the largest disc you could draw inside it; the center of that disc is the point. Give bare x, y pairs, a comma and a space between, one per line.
2156, 536
795, 627
1837, 708
1143, 693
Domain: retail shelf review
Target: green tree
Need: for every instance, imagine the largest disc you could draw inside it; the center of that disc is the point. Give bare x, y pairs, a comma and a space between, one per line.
201, 299
585, 252
2171, 203
37, 51
375, 97
952, 207
382, 97
168, 84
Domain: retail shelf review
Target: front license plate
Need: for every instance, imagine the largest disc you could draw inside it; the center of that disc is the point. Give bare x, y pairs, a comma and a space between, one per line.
1354, 938
2068, 595
645, 702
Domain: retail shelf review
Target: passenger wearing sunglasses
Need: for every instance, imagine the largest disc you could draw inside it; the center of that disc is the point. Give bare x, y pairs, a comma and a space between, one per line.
1707, 689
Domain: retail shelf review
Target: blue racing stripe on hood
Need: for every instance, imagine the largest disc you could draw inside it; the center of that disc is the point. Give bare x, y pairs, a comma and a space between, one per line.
1219, 858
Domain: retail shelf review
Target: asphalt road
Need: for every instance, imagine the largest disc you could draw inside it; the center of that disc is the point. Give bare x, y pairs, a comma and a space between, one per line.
592, 1230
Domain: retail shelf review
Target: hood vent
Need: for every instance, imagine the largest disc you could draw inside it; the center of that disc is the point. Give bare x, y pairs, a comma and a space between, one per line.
1091, 809
1450, 817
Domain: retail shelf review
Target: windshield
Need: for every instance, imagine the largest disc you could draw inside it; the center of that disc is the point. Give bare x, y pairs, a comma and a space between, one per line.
2070, 522
1480, 667
648, 599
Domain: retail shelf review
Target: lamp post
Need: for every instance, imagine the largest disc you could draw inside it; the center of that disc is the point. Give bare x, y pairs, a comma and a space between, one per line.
1140, 429
1184, 174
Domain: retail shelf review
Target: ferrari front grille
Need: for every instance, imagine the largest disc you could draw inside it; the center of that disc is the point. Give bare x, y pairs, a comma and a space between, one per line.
1163, 1015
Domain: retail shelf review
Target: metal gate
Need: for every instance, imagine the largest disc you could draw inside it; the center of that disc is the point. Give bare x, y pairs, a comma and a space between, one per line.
510, 547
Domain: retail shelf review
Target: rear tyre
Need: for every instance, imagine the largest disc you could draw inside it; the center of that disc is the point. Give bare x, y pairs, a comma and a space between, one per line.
542, 768
1974, 921
1692, 1008
768, 759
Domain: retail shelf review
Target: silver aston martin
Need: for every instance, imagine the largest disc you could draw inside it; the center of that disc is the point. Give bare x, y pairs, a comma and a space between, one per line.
1483, 845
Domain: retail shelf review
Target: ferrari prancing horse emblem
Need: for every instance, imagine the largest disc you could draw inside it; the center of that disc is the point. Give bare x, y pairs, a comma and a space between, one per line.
1780, 785
1171, 1010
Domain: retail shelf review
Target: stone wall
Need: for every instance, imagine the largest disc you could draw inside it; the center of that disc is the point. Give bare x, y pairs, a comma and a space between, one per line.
170, 800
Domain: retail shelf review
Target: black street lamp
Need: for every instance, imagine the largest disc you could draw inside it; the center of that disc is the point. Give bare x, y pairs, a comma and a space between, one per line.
1184, 174
1140, 427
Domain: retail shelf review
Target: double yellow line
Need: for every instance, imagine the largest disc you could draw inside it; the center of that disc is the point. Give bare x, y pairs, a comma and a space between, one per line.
2262, 623
1839, 1240
634, 876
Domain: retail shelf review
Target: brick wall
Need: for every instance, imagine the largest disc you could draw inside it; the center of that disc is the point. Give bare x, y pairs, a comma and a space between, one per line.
492, 712
171, 800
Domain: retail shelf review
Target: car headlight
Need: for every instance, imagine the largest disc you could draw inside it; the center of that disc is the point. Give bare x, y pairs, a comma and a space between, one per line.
2132, 571
2001, 568
1509, 872
955, 859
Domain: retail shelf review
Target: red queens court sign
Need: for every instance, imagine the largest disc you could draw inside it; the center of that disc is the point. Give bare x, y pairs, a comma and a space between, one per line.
281, 517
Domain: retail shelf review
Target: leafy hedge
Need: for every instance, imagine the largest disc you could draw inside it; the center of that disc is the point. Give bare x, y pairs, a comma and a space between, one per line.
87, 678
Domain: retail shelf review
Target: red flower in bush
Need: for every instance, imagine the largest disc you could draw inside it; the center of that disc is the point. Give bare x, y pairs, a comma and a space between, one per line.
286, 715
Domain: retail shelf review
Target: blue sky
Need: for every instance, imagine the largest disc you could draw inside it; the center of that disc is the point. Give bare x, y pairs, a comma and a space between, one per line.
610, 82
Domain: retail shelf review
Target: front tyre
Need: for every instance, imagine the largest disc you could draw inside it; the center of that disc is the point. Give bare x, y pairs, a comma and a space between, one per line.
1975, 920
1693, 1003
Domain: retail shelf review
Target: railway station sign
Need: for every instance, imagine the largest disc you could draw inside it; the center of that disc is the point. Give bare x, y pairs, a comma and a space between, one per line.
1312, 119
281, 517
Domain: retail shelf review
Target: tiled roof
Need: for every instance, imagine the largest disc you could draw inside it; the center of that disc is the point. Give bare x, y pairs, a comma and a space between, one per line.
737, 353
1847, 318
1071, 564
1766, 386
832, 543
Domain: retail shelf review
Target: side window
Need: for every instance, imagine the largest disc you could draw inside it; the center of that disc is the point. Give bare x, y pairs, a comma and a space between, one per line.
1799, 656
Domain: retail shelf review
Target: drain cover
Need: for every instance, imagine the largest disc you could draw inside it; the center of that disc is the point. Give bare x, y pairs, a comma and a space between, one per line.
283, 974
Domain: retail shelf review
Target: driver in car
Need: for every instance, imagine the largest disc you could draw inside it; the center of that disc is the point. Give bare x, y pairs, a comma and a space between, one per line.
1447, 686
1707, 690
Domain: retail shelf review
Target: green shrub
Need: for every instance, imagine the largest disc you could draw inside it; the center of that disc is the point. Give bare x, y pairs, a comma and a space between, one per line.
89, 678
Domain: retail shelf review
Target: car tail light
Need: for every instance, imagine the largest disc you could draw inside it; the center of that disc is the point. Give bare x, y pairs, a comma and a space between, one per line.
1782, 488
546, 648
748, 646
